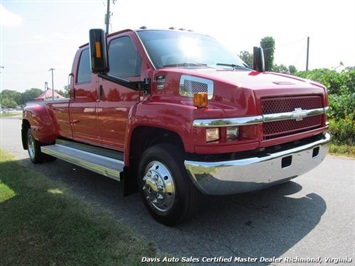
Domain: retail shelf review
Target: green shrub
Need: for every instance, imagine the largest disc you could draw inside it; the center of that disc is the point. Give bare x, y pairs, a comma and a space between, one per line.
342, 149
342, 131
331, 79
342, 105
341, 90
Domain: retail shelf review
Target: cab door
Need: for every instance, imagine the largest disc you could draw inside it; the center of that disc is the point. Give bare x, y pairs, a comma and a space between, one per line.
115, 101
83, 102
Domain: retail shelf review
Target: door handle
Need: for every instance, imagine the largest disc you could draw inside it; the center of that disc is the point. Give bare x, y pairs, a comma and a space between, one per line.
74, 94
101, 92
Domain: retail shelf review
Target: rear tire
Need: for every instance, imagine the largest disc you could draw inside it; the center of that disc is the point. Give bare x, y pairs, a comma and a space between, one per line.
167, 191
33, 148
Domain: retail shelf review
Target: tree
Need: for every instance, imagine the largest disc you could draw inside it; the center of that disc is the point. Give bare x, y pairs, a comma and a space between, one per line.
9, 98
247, 58
15, 95
292, 69
64, 92
284, 69
268, 45
8, 102
30, 95
280, 69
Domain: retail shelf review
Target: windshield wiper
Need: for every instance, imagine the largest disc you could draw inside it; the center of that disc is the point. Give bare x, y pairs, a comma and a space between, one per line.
186, 65
234, 66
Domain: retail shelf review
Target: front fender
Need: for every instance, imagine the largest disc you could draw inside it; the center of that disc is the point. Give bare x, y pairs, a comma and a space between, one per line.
171, 117
40, 118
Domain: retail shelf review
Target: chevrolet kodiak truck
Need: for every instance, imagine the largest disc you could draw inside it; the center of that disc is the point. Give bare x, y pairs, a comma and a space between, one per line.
174, 114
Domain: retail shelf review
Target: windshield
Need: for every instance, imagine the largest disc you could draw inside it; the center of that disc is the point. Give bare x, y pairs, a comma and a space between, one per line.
187, 49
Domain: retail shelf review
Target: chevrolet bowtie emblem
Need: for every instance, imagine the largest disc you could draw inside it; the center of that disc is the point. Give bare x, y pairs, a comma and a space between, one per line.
299, 114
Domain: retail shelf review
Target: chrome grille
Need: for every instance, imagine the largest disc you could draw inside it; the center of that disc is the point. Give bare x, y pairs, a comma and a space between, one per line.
192, 87
281, 105
289, 104
189, 85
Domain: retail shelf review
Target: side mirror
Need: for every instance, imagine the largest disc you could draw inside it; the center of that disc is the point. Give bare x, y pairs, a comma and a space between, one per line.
259, 62
98, 51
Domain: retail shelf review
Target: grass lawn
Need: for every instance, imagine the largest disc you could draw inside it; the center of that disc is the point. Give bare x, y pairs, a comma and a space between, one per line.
43, 223
9, 114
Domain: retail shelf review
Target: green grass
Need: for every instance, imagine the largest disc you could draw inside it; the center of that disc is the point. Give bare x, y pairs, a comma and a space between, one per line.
346, 150
8, 114
43, 223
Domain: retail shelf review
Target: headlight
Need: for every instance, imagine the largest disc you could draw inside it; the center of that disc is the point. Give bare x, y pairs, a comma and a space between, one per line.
200, 89
232, 133
212, 134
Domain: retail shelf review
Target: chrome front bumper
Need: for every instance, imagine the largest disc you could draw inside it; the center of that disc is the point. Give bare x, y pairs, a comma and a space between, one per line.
249, 174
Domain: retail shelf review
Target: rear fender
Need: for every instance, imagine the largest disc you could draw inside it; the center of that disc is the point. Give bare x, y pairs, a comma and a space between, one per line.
40, 118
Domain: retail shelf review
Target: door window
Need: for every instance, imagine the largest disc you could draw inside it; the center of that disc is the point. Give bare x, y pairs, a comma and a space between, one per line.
124, 59
84, 71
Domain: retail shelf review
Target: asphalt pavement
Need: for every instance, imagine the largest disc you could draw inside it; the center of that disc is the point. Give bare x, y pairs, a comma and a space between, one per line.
307, 221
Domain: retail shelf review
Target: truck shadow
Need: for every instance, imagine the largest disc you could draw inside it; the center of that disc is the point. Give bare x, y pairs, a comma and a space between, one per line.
260, 224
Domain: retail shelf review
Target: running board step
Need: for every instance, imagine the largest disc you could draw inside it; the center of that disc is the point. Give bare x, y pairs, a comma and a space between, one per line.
103, 165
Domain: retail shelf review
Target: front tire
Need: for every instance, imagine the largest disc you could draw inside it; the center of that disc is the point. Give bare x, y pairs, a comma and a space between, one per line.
167, 191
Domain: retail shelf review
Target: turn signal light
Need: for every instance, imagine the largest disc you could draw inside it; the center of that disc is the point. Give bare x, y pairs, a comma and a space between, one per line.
98, 49
201, 100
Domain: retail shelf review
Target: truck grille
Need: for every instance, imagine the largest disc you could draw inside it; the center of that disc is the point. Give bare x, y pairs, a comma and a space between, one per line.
289, 104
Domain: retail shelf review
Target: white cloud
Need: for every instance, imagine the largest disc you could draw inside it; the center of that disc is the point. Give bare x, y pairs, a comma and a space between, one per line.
8, 18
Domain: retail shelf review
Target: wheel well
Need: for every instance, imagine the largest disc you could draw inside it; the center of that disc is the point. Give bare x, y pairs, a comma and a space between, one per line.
25, 126
142, 138
145, 137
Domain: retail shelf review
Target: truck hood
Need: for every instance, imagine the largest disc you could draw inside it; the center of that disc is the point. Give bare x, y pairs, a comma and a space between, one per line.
264, 83
240, 92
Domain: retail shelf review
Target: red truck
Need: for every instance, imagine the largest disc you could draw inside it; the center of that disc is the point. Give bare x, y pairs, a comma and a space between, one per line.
174, 114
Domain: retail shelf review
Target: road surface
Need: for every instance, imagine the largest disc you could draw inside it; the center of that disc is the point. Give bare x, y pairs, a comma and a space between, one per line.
306, 221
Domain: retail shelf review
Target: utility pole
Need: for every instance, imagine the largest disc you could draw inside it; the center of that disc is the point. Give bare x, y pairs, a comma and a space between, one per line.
108, 15
52, 69
307, 60
107, 18
1, 85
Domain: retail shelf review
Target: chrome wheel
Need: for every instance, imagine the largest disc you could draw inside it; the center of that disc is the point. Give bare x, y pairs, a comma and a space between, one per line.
31, 146
34, 148
158, 186
167, 191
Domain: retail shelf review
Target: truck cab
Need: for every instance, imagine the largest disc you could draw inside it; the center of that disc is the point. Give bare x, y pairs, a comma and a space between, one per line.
175, 115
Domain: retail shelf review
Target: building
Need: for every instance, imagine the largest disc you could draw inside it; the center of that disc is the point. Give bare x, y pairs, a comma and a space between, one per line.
48, 94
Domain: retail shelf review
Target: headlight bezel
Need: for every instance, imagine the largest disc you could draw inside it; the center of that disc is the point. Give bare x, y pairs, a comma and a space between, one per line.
200, 89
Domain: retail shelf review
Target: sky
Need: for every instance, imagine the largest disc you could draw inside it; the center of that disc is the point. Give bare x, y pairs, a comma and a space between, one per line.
38, 35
